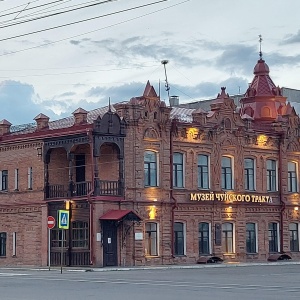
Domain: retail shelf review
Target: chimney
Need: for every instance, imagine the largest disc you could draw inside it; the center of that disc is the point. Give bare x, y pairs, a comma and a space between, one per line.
42, 122
80, 116
174, 101
4, 127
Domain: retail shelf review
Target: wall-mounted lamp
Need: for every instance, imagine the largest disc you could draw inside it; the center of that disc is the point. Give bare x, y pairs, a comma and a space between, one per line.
152, 212
296, 208
230, 207
67, 204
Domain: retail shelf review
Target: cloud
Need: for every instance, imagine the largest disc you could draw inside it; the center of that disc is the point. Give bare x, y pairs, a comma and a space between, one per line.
209, 90
292, 39
20, 104
136, 47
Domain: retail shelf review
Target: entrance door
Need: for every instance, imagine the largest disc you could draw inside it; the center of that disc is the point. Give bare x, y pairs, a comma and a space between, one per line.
110, 248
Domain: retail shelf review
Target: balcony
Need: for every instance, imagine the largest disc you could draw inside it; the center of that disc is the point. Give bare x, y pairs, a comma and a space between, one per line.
79, 189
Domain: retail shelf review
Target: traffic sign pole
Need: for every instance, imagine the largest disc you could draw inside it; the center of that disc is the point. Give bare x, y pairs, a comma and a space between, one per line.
50, 225
49, 248
62, 250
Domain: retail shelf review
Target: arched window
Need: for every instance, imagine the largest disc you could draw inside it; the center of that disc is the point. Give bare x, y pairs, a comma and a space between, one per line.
178, 170
179, 238
150, 168
227, 238
204, 238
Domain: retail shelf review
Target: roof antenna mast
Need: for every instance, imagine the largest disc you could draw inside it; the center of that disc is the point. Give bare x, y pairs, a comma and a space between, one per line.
260, 41
164, 62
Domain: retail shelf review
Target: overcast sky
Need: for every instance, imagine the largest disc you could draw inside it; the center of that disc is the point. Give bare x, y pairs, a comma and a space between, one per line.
208, 44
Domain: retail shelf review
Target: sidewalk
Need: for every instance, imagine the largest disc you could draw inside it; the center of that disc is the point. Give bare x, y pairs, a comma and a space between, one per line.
136, 268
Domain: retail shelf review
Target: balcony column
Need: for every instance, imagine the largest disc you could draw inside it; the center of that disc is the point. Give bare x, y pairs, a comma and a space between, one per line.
121, 175
46, 177
96, 176
71, 189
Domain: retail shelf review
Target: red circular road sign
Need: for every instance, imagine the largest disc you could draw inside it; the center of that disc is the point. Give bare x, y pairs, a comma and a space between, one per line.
50, 222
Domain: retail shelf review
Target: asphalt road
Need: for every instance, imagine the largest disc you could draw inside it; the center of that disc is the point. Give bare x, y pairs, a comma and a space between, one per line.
234, 283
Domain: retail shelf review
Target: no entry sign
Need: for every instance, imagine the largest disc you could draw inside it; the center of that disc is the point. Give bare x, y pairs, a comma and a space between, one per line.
50, 222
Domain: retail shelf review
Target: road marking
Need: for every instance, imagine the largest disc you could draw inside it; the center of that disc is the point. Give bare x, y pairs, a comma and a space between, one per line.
12, 274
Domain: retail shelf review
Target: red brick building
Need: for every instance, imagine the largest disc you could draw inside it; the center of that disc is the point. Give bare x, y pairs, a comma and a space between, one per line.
146, 184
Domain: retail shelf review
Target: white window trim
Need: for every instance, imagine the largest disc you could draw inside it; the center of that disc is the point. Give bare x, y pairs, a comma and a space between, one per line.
210, 238
278, 237
184, 238
30, 178
256, 237
0, 180
233, 238
277, 174
16, 179
14, 244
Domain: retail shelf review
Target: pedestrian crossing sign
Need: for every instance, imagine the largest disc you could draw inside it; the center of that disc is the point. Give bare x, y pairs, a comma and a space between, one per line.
63, 219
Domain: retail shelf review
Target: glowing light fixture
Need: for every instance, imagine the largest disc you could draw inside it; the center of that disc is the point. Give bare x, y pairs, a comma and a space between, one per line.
152, 212
67, 204
296, 208
262, 139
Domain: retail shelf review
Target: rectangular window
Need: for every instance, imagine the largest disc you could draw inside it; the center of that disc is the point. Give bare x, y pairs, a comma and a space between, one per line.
227, 237
203, 172
292, 177
2, 243
251, 238
16, 179
30, 178
204, 239
178, 170
271, 176
273, 237
178, 238
227, 178
249, 174
80, 234
4, 180
150, 168
59, 237
294, 237
151, 239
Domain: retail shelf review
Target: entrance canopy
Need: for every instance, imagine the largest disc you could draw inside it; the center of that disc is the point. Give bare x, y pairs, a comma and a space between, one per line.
120, 215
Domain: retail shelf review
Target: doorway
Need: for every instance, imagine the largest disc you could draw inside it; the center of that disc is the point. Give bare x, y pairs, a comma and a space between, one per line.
110, 247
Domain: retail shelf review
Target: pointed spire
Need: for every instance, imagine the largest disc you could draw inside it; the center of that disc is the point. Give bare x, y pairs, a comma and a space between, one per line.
260, 41
109, 107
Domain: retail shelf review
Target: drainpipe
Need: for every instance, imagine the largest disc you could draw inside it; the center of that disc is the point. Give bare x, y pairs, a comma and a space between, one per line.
174, 206
282, 203
89, 133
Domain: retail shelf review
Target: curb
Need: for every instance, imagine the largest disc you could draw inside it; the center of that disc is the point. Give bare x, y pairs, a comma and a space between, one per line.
166, 267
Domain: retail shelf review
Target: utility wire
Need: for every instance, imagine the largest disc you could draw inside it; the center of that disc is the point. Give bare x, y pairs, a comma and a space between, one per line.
14, 12
55, 14
112, 25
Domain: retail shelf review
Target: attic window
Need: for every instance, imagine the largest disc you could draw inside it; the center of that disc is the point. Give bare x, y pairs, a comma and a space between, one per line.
227, 124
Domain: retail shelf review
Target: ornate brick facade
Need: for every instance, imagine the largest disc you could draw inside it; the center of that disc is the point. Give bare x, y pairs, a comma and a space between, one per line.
149, 184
